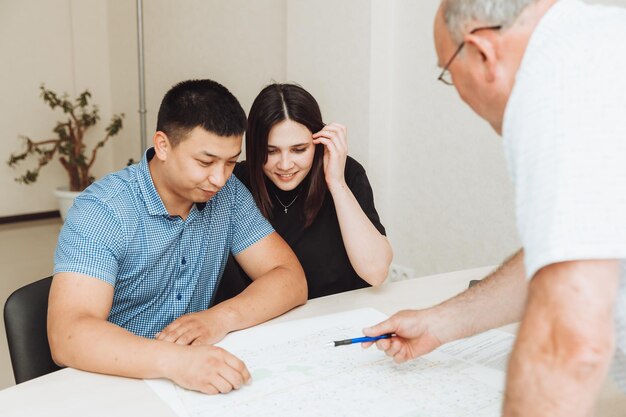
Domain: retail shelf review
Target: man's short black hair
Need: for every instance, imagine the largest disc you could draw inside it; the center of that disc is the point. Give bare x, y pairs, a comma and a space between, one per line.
203, 103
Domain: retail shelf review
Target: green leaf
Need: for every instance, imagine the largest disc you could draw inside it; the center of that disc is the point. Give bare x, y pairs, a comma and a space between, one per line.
71, 150
115, 125
83, 99
49, 97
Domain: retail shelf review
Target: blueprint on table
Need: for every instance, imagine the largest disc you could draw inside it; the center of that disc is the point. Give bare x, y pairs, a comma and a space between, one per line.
295, 374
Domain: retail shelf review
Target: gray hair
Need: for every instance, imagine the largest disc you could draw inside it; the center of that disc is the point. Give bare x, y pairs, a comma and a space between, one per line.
458, 13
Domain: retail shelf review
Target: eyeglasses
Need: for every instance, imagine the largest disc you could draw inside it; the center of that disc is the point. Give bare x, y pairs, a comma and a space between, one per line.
445, 76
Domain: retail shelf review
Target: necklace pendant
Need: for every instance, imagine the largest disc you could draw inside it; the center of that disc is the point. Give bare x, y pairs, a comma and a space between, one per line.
286, 207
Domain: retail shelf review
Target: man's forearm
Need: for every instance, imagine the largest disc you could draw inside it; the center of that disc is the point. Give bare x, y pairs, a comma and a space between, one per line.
95, 345
268, 296
565, 342
497, 300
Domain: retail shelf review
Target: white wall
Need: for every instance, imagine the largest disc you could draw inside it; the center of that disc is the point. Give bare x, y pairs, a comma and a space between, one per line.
451, 202
328, 54
436, 169
72, 45
238, 43
620, 3
122, 30
62, 43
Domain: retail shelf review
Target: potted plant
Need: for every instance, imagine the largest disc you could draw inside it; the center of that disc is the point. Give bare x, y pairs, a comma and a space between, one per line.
68, 144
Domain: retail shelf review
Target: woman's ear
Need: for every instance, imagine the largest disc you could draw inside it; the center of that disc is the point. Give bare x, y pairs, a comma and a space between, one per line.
161, 145
482, 51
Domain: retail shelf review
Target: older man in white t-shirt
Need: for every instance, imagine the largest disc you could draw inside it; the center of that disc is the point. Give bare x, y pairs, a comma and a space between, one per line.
550, 77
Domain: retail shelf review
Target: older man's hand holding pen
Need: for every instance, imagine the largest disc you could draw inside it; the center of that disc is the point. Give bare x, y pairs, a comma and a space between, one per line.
412, 335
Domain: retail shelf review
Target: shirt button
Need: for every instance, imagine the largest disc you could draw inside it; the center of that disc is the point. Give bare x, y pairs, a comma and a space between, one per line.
178, 297
183, 261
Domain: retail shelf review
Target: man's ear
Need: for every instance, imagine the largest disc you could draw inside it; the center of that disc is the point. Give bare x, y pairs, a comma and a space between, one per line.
481, 49
162, 145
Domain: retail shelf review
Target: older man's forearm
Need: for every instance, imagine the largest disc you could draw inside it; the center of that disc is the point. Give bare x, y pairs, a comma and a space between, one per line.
565, 343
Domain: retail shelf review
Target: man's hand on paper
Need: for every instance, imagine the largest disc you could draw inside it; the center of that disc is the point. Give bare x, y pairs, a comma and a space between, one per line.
413, 336
208, 369
201, 328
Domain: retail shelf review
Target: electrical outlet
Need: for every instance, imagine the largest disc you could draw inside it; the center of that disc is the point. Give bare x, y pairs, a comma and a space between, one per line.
400, 273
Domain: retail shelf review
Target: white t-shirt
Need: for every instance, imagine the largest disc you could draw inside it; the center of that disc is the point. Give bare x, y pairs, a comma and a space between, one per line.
564, 135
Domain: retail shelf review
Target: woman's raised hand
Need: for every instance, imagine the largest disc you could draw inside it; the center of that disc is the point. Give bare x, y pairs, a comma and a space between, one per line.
334, 137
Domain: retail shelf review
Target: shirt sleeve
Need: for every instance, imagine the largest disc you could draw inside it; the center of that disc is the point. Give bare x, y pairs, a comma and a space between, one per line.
357, 181
248, 224
567, 150
90, 242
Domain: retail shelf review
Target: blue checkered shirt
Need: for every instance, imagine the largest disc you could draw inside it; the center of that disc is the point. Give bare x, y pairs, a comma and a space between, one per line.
161, 267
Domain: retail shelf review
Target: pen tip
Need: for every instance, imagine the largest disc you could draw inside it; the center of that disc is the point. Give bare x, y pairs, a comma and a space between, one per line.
329, 344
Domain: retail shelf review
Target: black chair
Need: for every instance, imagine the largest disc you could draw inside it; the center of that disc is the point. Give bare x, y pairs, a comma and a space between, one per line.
25, 320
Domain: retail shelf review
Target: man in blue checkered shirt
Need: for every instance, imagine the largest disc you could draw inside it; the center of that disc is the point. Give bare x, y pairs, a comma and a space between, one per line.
142, 252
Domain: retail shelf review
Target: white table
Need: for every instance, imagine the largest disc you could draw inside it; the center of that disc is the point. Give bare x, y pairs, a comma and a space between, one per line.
69, 392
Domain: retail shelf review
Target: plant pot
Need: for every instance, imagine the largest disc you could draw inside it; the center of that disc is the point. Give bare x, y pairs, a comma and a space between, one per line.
65, 199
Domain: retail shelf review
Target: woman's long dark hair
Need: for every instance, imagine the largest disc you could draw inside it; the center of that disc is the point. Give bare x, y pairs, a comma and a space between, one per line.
275, 103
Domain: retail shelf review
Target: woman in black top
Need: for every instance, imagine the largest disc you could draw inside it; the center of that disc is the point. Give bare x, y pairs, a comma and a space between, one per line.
316, 197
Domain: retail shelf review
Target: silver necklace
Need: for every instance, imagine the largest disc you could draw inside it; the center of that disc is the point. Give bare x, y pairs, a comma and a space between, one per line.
285, 207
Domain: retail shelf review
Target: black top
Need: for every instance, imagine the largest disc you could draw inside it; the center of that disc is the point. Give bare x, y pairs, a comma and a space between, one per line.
319, 247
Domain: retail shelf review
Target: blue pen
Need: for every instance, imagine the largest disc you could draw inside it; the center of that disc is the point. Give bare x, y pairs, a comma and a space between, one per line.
359, 340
